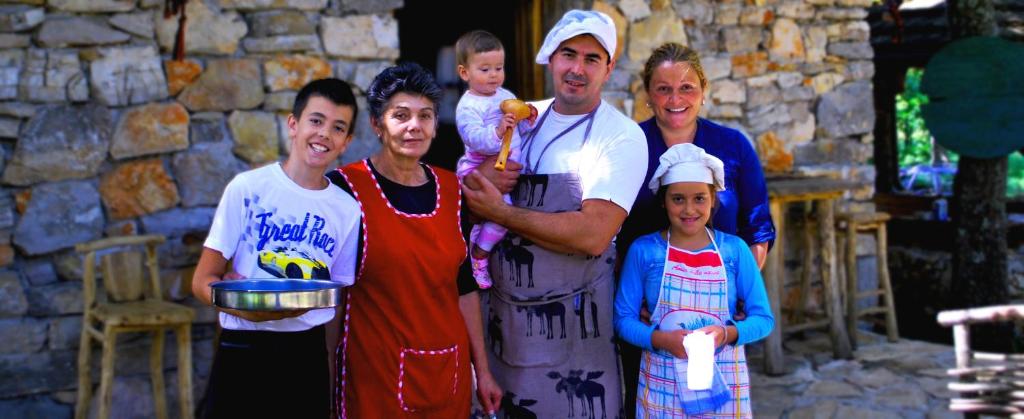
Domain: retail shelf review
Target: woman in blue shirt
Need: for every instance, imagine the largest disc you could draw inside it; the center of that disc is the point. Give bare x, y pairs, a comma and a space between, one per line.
689, 277
676, 87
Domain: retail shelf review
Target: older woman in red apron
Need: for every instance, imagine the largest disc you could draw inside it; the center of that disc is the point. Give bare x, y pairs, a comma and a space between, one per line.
405, 350
690, 276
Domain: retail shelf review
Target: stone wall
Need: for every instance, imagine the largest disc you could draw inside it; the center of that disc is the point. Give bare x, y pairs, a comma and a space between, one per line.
103, 134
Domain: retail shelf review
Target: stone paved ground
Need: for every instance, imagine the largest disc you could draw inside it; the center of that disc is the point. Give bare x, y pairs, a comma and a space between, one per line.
905, 379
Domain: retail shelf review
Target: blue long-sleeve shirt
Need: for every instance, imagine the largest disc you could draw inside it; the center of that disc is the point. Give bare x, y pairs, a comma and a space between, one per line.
742, 206
641, 281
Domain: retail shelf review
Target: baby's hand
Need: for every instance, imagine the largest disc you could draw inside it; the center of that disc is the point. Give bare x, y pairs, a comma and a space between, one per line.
507, 122
533, 115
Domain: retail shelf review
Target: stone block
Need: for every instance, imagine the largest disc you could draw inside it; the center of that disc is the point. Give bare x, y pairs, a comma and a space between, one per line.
65, 332
151, 129
364, 142
775, 158
832, 151
695, 12
41, 372
59, 215
361, 36
742, 39
208, 127
138, 24
752, 64
801, 130
209, 31
282, 44
848, 110
310, 5
281, 101
69, 265
756, 15
292, 72
55, 299
255, 135
854, 3
121, 228
204, 170
19, 18
60, 142
176, 284
728, 91
727, 14
723, 111
36, 407
14, 40
9, 127
25, 335
181, 74
703, 38
859, 70
634, 10
39, 272
127, 76
825, 82
797, 93
281, 22
52, 76
815, 43
17, 109
786, 42
366, 71
367, 6
799, 10
78, 32
12, 295
763, 118
226, 85
762, 96
839, 13
716, 67
178, 222
180, 252
92, 6
851, 50
11, 62
137, 188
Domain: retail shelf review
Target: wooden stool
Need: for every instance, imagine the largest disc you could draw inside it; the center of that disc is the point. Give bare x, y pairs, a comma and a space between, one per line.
851, 223
130, 308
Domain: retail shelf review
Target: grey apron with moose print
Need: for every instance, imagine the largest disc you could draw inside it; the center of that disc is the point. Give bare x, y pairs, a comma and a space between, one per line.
550, 331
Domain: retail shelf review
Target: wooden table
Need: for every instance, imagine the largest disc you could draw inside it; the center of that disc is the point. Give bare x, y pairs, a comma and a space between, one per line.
822, 192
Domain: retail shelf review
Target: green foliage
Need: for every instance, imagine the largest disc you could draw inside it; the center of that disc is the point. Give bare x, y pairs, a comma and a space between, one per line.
914, 142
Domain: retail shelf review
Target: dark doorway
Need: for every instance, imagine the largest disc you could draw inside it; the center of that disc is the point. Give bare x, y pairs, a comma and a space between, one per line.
426, 27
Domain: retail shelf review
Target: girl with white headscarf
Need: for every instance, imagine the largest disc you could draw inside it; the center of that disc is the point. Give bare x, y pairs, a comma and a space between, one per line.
690, 277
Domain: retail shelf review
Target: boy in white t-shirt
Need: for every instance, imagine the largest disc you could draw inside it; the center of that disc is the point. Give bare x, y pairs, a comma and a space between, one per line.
283, 221
481, 124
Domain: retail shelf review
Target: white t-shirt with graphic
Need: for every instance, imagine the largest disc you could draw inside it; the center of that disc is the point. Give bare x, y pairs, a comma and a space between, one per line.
270, 227
611, 164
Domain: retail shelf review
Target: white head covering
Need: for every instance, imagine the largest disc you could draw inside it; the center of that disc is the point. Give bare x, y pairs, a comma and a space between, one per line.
579, 22
688, 163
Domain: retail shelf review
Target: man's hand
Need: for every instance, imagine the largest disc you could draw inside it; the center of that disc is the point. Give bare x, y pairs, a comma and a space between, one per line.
505, 180
482, 197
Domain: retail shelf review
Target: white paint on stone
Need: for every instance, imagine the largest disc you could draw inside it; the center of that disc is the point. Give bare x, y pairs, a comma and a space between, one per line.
52, 76
372, 36
128, 76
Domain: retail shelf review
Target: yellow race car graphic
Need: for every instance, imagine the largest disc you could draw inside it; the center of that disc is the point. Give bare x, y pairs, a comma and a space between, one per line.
284, 262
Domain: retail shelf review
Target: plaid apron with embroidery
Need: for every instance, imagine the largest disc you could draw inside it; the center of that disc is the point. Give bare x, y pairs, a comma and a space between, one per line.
694, 294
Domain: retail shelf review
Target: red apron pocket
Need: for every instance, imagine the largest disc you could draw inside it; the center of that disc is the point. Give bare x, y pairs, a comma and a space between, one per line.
427, 379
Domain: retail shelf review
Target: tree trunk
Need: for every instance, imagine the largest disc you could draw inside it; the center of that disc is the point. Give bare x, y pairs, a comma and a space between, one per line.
979, 206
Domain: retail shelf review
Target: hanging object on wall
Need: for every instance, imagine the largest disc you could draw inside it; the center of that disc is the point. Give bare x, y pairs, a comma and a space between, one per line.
975, 89
177, 7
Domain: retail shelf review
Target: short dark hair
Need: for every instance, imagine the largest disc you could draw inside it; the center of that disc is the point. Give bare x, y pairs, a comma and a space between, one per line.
337, 91
403, 78
475, 42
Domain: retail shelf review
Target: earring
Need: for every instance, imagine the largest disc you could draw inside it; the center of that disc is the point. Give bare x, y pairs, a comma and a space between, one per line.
648, 104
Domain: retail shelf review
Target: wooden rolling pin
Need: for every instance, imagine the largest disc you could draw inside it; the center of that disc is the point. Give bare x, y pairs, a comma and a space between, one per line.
520, 111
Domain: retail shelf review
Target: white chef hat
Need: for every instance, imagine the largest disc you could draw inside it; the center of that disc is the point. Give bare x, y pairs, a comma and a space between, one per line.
688, 163
578, 22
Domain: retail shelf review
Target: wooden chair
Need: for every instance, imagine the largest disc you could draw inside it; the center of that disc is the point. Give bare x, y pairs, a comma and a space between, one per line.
986, 383
128, 307
851, 224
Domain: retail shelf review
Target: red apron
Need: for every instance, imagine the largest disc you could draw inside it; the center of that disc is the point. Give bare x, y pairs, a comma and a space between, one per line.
404, 350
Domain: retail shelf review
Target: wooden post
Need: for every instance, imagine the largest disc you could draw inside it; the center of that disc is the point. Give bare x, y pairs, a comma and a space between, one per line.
882, 250
808, 261
156, 372
851, 280
184, 335
107, 371
774, 272
840, 339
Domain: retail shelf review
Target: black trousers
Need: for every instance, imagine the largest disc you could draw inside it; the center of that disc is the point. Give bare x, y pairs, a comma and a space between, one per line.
629, 355
259, 374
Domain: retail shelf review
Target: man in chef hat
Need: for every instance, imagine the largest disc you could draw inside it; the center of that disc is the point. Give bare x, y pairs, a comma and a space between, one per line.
582, 164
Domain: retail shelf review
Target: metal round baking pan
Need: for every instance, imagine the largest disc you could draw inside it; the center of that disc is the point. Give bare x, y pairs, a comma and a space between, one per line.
276, 294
